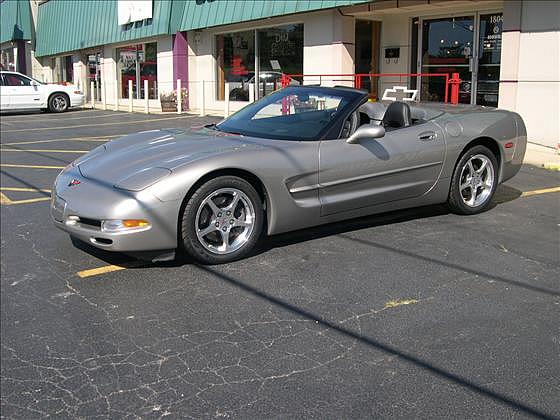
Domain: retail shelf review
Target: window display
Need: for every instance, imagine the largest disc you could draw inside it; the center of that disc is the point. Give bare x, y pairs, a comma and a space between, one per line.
138, 63
280, 50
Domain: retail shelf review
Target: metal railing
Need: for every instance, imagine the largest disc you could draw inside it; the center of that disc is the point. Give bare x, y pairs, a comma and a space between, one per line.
451, 93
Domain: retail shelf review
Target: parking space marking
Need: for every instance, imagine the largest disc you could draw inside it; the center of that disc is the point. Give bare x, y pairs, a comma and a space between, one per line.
539, 192
121, 114
5, 201
110, 268
44, 150
97, 125
11, 165
24, 189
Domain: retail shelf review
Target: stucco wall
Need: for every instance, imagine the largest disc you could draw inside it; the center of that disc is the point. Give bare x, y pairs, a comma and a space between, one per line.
530, 70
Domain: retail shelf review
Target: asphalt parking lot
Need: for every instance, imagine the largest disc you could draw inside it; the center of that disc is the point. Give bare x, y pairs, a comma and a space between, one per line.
412, 314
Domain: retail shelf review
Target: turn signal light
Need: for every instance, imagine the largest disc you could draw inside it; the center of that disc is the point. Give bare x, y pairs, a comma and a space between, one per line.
135, 223
124, 225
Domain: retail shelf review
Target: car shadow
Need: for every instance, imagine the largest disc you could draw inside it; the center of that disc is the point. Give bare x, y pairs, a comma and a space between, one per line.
40, 112
503, 195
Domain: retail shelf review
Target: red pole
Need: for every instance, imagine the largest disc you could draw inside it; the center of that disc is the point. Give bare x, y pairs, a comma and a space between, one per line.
446, 88
455, 81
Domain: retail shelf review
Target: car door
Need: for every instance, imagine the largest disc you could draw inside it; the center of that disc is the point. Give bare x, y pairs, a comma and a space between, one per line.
4, 96
23, 93
405, 163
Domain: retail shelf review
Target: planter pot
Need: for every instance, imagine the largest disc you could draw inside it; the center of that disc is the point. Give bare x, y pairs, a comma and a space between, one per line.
169, 106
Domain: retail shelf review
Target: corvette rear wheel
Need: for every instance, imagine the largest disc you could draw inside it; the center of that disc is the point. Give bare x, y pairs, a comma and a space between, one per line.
222, 221
474, 181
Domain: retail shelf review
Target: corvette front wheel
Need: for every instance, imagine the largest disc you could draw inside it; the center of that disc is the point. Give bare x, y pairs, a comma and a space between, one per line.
222, 221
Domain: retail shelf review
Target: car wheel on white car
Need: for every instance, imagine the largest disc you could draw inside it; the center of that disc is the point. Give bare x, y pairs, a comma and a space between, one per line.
474, 181
222, 221
58, 102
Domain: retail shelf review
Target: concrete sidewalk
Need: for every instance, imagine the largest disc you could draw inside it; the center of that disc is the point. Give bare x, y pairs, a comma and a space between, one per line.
542, 156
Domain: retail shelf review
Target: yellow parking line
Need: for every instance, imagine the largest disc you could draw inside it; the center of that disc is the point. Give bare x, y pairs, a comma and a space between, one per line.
94, 138
110, 268
24, 189
97, 125
5, 200
100, 270
44, 151
9, 165
542, 191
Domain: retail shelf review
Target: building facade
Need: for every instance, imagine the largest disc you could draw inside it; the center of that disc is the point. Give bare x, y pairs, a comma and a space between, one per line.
507, 53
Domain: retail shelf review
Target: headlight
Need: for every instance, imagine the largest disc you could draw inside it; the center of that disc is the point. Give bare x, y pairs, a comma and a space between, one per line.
124, 225
142, 179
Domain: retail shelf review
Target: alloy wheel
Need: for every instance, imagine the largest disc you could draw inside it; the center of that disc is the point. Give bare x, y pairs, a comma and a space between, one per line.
225, 221
476, 180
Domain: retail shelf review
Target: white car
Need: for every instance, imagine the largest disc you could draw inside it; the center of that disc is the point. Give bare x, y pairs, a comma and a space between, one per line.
20, 92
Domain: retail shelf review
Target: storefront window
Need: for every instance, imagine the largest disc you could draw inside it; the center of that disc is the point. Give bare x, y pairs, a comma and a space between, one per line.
138, 63
7, 59
280, 50
236, 64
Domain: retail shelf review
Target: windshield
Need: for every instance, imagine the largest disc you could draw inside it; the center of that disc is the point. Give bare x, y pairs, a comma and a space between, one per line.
293, 113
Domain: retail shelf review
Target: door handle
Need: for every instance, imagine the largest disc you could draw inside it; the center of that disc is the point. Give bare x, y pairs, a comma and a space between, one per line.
429, 135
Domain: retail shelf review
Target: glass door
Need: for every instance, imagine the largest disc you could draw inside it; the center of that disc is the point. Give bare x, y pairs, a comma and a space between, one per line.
447, 47
489, 52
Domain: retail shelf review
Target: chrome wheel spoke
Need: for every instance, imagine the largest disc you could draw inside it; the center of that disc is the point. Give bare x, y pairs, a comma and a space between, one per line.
215, 209
232, 206
241, 223
225, 240
472, 200
482, 167
209, 229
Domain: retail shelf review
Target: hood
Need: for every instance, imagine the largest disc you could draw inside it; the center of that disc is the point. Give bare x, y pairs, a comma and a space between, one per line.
157, 151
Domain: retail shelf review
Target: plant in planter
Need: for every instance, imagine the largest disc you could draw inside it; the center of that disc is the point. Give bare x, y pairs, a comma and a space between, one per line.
168, 100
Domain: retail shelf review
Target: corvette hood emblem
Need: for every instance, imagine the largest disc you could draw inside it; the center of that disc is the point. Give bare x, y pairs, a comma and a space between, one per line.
74, 182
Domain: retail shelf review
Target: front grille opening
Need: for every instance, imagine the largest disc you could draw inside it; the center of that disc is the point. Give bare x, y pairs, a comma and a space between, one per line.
90, 222
103, 241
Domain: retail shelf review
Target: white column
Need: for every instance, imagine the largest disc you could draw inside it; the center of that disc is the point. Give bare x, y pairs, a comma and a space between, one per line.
146, 98
226, 102
251, 93
103, 84
202, 110
179, 97
92, 93
116, 92
130, 96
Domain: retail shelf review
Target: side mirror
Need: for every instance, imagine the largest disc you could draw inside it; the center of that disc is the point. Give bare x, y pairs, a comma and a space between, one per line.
366, 132
34, 83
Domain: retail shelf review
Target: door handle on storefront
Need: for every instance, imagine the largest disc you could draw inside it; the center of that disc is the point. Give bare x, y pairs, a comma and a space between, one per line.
428, 135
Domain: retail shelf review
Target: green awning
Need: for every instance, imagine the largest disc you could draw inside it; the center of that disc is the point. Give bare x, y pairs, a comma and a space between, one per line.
70, 25
198, 14
16, 22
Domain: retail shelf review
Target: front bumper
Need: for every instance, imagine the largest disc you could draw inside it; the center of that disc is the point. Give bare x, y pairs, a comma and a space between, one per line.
79, 210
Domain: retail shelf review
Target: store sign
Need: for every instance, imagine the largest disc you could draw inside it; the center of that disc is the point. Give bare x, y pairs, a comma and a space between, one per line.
134, 11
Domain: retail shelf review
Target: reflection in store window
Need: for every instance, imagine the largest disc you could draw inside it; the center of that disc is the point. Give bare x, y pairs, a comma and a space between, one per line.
236, 64
280, 51
138, 63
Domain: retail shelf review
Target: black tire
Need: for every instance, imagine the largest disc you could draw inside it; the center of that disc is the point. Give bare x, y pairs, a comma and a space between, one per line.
58, 102
456, 201
191, 243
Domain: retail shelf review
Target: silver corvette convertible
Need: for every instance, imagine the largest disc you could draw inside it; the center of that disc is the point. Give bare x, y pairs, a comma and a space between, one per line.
299, 157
